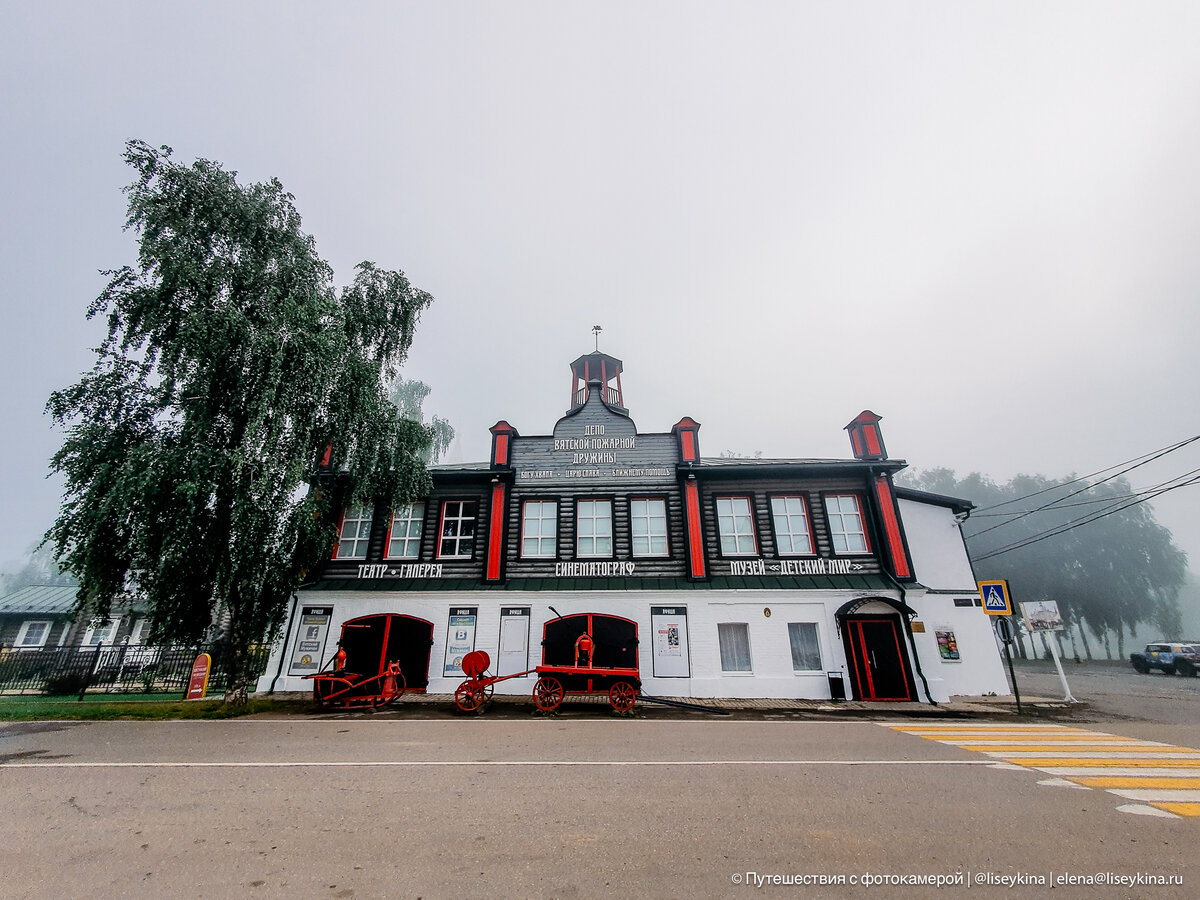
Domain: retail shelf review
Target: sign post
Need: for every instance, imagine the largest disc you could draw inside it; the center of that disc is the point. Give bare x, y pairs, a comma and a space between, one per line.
1004, 627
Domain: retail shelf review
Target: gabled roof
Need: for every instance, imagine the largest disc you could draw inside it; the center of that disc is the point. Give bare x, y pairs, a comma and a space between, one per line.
44, 599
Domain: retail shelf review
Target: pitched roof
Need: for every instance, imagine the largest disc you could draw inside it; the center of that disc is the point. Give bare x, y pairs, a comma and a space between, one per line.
40, 598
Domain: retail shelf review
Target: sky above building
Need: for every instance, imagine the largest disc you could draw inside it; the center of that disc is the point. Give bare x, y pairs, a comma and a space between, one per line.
978, 220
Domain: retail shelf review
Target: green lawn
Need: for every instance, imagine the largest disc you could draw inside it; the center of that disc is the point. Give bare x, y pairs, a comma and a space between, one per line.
32, 707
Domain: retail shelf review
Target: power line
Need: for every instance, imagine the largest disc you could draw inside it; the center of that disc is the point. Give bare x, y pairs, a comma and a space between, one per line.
1078, 523
1060, 505
1162, 451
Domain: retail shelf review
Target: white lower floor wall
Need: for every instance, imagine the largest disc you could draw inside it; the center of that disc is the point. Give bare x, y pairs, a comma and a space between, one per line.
712, 644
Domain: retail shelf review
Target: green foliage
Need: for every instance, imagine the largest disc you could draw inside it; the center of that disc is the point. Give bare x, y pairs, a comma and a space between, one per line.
230, 363
1116, 572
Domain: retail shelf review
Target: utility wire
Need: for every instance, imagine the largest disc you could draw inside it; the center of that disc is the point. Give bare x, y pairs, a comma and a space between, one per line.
1162, 451
1140, 492
1077, 523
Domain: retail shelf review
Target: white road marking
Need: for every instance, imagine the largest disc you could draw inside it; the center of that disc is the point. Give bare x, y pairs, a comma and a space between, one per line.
438, 763
1158, 796
1140, 809
1062, 782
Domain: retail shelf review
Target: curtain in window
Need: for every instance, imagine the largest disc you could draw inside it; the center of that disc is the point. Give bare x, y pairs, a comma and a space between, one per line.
806, 649
734, 638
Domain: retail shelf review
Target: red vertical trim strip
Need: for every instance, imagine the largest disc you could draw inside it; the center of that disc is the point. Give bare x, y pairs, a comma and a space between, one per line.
856, 442
501, 450
891, 527
689, 446
495, 529
695, 538
908, 694
872, 435
866, 661
328, 453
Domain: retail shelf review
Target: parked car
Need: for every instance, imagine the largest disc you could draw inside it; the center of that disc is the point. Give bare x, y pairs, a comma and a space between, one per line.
1169, 658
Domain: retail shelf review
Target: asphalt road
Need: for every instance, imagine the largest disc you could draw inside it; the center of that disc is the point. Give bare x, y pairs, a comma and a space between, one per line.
588, 806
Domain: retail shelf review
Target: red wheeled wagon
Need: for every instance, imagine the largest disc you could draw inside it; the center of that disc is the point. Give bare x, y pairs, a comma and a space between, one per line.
586, 653
380, 657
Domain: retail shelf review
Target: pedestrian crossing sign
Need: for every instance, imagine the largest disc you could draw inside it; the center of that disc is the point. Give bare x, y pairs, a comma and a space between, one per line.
996, 601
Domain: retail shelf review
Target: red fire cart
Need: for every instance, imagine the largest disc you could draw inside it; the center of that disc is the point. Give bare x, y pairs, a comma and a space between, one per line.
379, 658
586, 653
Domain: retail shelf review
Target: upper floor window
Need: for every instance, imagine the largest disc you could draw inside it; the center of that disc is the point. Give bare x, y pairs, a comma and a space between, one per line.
404, 535
593, 527
33, 633
735, 525
648, 524
539, 529
101, 631
457, 540
792, 534
846, 524
141, 629
355, 533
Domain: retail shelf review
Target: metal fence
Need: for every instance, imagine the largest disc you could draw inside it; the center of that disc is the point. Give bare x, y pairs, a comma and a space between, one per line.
115, 669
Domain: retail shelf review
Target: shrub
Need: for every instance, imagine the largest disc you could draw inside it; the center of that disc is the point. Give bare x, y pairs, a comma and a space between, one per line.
65, 683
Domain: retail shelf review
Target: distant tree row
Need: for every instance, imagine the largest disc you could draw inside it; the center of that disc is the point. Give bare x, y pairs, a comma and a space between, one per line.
1093, 547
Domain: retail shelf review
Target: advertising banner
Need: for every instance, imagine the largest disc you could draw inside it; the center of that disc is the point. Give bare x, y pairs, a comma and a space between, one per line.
311, 634
513, 655
460, 639
668, 625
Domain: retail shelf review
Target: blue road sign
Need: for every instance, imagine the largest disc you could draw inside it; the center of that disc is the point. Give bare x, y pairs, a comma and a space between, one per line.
996, 600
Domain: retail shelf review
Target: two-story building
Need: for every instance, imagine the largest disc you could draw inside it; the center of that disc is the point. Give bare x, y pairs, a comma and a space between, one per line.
783, 578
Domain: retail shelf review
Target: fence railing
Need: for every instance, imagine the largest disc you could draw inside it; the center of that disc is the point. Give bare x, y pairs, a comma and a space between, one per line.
115, 668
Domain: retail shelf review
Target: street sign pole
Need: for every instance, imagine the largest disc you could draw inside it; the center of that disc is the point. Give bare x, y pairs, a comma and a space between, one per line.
1058, 665
1005, 626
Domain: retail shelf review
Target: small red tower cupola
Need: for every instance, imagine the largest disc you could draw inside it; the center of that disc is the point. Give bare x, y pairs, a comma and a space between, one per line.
593, 367
865, 438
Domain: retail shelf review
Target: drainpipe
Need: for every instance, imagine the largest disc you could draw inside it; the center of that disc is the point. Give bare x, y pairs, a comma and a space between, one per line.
908, 628
286, 637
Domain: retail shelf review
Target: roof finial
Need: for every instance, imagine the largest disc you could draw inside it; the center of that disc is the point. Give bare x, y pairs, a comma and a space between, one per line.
596, 329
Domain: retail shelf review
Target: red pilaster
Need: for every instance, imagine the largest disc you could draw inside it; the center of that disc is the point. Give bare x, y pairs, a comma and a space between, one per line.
691, 499
495, 555
891, 528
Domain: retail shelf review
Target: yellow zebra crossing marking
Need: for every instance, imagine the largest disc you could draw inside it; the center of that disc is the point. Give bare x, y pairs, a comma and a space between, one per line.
1094, 759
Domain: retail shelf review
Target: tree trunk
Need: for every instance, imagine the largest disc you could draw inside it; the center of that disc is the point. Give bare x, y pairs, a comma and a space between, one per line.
1107, 644
1120, 640
1087, 648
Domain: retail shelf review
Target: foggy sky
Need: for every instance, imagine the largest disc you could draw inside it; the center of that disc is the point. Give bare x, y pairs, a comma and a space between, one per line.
978, 220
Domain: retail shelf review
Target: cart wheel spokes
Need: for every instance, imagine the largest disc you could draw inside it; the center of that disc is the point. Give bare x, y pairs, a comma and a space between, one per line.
468, 697
622, 696
548, 693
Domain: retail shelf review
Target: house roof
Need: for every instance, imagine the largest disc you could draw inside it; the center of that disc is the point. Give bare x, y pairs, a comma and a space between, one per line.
44, 599
958, 504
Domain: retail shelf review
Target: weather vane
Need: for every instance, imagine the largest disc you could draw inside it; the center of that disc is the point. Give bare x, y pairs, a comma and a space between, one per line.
596, 329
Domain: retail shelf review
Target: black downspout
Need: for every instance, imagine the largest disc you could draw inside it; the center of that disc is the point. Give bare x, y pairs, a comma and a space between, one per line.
287, 635
908, 628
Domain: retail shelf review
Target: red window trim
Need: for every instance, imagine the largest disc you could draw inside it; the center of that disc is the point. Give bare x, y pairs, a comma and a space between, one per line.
862, 517
387, 539
666, 518
442, 521
521, 543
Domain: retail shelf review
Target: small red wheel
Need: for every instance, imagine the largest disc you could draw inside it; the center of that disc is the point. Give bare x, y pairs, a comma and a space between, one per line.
468, 697
548, 693
622, 696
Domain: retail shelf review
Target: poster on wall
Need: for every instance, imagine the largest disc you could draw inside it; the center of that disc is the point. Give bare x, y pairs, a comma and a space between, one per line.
947, 644
460, 639
513, 655
668, 625
309, 649
1042, 615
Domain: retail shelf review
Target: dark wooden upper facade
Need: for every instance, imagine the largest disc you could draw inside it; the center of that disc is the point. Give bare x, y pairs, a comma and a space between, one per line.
596, 454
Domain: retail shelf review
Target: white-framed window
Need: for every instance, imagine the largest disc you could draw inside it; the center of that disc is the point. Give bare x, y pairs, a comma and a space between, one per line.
539, 529
33, 633
457, 538
793, 536
734, 638
404, 534
354, 534
846, 528
806, 646
101, 631
735, 525
141, 628
593, 528
648, 526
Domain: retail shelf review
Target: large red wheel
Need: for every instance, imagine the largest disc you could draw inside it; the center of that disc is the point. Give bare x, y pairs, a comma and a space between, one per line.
548, 693
622, 696
468, 697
